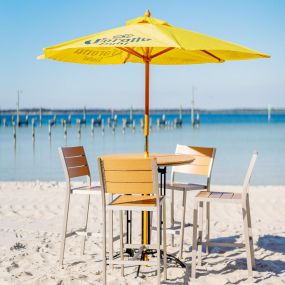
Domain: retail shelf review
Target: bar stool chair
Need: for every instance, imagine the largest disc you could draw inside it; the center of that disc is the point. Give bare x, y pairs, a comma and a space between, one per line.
225, 197
201, 166
134, 182
75, 165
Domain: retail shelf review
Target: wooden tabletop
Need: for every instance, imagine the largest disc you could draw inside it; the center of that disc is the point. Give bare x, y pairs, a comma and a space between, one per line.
162, 159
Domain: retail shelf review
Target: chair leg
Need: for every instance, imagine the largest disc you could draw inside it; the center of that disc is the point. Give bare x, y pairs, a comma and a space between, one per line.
64, 229
151, 223
182, 223
104, 248
172, 216
164, 242
207, 226
194, 240
121, 242
85, 221
158, 243
111, 237
250, 233
201, 211
247, 241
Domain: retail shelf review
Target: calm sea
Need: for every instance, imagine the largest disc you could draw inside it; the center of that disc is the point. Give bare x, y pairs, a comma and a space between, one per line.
234, 135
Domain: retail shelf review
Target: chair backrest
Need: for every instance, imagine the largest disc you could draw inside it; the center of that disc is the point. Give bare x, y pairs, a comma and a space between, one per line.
74, 162
249, 173
202, 164
128, 175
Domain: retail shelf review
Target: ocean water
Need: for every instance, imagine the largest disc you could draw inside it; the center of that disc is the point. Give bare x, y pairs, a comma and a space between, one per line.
235, 136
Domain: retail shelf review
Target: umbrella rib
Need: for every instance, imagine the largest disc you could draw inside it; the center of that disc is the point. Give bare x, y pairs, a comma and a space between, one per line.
212, 55
131, 51
161, 52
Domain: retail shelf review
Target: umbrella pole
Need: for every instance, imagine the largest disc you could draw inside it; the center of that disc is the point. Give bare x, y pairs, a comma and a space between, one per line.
146, 216
146, 109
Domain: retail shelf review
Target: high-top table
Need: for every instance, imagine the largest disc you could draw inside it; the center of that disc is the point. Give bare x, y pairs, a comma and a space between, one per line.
163, 160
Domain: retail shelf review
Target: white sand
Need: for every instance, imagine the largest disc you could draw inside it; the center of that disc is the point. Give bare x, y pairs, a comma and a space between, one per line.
31, 216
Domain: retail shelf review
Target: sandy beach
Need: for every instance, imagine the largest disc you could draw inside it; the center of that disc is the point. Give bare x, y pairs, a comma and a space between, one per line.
31, 215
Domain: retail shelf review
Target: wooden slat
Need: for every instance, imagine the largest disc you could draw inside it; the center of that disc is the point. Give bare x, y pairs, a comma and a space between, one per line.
72, 151
192, 169
203, 194
127, 164
227, 195
78, 171
129, 188
132, 200
128, 176
215, 195
193, 150
237, 196
75, 161
202, 162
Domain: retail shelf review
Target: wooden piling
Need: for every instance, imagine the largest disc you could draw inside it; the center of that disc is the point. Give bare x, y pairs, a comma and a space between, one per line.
102, 127
268, 113
124, 123
78, 123
33, 130
64, 129
113, 127
192, 108
41, 116
92, 126
49, 129
14, 133
18, 109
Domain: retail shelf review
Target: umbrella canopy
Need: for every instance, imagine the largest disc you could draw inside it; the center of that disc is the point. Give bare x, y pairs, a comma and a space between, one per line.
148, 40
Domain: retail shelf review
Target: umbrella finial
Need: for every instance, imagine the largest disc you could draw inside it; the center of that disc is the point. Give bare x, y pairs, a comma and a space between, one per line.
147, 13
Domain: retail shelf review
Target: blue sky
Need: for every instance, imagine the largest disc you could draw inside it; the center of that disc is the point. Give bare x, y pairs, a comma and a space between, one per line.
28, 26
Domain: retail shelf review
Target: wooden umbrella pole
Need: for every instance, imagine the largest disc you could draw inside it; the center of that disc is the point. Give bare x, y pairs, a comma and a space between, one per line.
146, 108
145, 216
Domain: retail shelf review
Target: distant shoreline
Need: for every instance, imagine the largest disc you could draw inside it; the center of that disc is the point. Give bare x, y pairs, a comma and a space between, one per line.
141, 111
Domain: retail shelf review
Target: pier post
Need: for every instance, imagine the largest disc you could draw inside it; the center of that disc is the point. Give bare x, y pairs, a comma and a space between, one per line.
4, 122
192, 108
41, 116
49, 129
269, 113
18, 109
33, 130
14, 133
113, 127
131, 114
64, 129
124, 125
102, 127
78, 122
92, 127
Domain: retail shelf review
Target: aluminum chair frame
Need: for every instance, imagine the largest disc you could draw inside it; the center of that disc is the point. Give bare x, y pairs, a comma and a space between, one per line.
201, 166
122, 177
225, 197
75, 165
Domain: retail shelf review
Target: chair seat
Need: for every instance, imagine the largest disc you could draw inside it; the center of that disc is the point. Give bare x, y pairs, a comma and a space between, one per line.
86, 190
185, 186
222, 196
134, 201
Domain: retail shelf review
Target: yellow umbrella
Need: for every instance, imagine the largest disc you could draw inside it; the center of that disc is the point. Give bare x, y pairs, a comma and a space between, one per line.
148, 40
